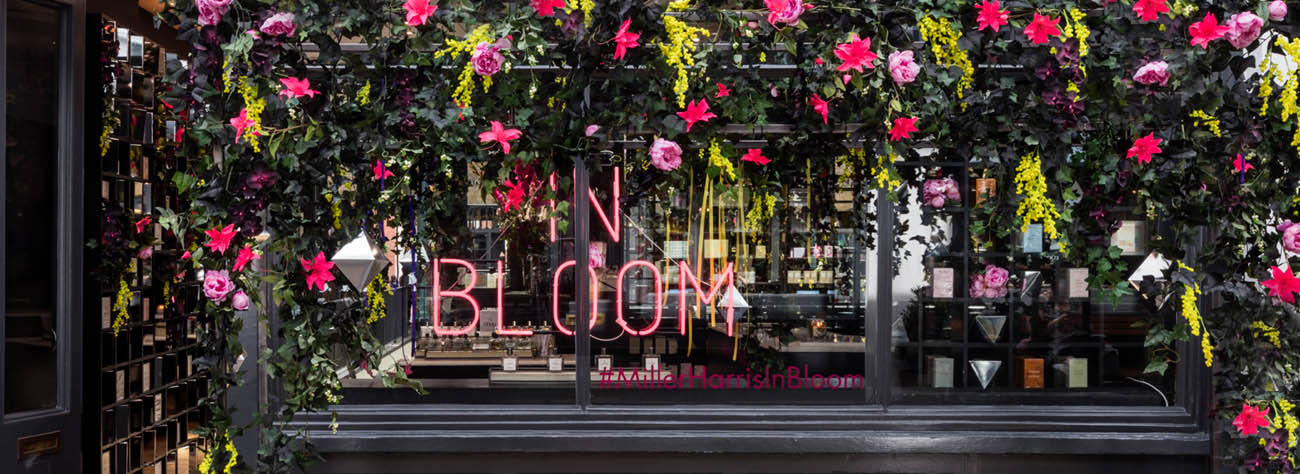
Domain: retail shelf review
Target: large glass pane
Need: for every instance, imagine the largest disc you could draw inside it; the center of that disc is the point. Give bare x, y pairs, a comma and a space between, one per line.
31, 162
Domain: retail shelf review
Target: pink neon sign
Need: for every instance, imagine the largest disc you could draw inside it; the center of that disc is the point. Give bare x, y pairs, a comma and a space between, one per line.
613, 226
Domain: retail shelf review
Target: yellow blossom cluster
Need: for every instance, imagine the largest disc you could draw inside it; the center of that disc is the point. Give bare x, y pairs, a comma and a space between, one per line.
586, 6
1075, 28
225, 75
375, 292
205, 467
1208, 120
679, 52
463, 95
760, 212
1285, 419
254, 105
1270, 332
1031, 184
1288, 98
1190, 312
886, 175
943, 37
119, 306
718, 160
363, 95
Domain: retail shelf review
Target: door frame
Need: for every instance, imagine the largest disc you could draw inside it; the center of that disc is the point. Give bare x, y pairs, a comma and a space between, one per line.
70, 186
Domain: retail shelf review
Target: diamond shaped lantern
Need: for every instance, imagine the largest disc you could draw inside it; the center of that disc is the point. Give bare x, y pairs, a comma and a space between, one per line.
360, 260
1153, 266
733, 296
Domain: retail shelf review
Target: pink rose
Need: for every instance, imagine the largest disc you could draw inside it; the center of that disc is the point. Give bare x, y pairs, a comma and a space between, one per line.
217, 285
784, 11
1243, 28
903, 67
1290, 235
487, 59
1277, 10
211, 11
996, 277
665, 155
977, 286
1152, 73
279, 24
937, 192
240, 301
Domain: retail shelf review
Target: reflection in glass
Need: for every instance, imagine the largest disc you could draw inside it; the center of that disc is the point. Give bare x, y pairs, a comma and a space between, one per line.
31, 162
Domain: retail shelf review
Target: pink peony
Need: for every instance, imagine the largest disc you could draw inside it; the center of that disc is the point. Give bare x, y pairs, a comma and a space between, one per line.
903, 67
977, 286
995, 276
211, 11
217, 285
937, 192
1152, 73
1277, 10
1290, 235
240, 300
279, 24
665, 155
1243, 28
487, 57
784, 11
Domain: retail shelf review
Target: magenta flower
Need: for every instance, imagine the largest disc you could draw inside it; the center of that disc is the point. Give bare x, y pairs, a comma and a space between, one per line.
217, 285
937, 192
995, 276
145, 253
1243, 29
596, 255
665, 155
240, 301
1290, 235
784, 11
487, 58
902, 67
1277, 10
279, 24
1152, 73
211, 11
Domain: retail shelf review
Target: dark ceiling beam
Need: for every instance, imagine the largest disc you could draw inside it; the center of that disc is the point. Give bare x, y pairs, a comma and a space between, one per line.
128, 13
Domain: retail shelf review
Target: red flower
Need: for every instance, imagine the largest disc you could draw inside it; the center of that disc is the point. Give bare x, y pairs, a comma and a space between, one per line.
903, 127
142, 223
318, 271
855, 54
696, 112
991, 15
1149, 10
380, 170
821, 106
297, 88
546, 7
1283, 284
1042, 28
1242, 165
625, 40
246, 255
1206, 30
417, 11
1144, 147
1250, 420
755, 155
723, 91
513, 197
242, 122
219, 240
501, 135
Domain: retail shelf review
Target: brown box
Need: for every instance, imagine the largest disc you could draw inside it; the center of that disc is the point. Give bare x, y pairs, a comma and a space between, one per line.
1029, 372
984, 189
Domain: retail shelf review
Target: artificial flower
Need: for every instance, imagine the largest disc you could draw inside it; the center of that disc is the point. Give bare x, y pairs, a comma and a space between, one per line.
1241, 165
317, 270
246, 256
1277, 10
665, 155
141, 224
487, 58
821, 106
696, 112
903, 67
755, 155
1290, 235
937, 192
785, 12
145, 253
501, 135
1284, 285
1144, 147
219, 239
1243, 29
1206, 30
217, 285
1149, 10
1152, 73
241, 123
1042, 28
1250, 420
991, 15
996, 276
903, 127
591, 129
624, 40
279, 24
380, 170
513, 197
723, 91
297, 88
545, 8
418, 11
240, 301
211, 11
856, 53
